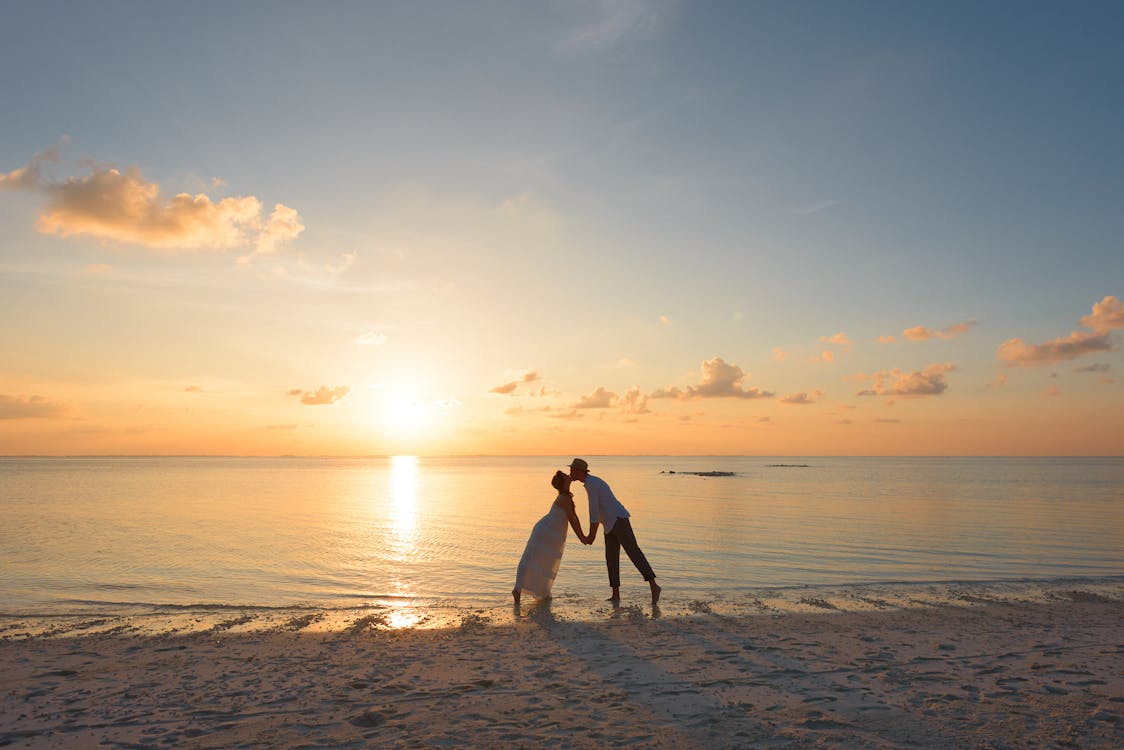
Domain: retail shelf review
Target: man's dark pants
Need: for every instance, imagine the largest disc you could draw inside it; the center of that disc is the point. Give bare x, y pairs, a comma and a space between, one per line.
623, 536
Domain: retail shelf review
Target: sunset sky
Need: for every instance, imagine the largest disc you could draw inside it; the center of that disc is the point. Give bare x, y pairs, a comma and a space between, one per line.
564, 228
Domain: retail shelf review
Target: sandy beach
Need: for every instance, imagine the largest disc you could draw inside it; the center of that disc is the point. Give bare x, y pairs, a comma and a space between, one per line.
981, 672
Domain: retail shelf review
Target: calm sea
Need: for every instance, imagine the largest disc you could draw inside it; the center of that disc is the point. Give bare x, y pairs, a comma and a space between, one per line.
80, 535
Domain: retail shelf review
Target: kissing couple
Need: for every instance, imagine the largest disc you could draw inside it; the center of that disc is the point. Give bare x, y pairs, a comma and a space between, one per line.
543, 553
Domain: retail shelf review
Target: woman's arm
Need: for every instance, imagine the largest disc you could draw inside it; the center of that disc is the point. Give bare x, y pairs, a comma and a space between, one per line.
572, 515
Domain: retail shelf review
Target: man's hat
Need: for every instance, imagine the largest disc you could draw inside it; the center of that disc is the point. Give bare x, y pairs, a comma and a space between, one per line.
579, 463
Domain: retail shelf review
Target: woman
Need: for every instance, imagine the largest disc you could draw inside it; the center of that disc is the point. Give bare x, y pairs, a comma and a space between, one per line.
543, 554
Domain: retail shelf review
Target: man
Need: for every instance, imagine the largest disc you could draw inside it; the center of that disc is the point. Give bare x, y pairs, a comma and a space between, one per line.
605, 510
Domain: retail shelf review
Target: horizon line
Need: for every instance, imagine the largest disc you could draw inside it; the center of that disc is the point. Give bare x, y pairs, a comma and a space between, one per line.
555, 455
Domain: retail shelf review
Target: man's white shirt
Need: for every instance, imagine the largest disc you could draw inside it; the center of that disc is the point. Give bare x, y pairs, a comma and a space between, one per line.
604, 508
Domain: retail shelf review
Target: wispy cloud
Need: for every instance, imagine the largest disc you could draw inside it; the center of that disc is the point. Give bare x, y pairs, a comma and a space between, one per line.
1016, 352
803, 398
812, 208
1098, 367
928, 382
839, 339
30, 175
720, 379
1107, 316
371, 338
322, 395
605, 22
30, 407
921, 333
510, 387
122, 206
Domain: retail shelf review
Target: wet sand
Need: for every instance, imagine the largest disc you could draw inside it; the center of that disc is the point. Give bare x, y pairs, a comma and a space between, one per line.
983, 671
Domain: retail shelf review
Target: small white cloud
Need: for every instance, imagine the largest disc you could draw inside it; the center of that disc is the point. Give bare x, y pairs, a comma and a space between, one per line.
371, 338
322, 395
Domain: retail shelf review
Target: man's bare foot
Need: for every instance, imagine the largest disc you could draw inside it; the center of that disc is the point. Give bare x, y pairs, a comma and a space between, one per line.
616, 596
655, 593
515, 593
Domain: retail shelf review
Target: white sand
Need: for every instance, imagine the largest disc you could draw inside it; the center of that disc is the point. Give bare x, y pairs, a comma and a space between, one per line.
994, 674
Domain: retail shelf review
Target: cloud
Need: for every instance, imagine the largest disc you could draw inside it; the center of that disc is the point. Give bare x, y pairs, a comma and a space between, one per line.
1099, 367
887, 339
917, 333
719, 380
779, 354
802, 398
1052, 392
840, 339
30, 175
30, 407
827, 356
371, 338
665, 321
193, 389
1107, 315
928, 382
530, 376
284, 226
921, 333
813, 208
634, 402
606, 22
599, 399
322, 395
109, 204
1017, 353
999, 382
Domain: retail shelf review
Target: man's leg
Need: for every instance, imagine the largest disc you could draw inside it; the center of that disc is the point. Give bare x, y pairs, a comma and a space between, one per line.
622, 531
613, 564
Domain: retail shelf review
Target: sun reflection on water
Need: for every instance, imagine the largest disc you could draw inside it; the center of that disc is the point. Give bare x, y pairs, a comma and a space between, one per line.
402, 536
403, 618
404, 508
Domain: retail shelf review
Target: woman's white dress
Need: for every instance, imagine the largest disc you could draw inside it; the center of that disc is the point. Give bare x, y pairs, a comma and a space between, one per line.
543, 553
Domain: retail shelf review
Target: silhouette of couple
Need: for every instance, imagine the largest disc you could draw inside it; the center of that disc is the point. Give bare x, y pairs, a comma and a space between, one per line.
543, 553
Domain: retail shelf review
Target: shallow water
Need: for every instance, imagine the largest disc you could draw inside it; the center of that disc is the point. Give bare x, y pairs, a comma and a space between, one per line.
79, 536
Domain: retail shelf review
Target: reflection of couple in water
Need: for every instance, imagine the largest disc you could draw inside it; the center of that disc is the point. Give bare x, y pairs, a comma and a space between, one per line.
543, 554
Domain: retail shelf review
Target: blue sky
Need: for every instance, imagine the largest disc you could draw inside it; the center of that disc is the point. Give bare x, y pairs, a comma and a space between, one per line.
499, 188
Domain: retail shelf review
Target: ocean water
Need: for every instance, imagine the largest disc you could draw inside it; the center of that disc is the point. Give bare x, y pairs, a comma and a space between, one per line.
89, 535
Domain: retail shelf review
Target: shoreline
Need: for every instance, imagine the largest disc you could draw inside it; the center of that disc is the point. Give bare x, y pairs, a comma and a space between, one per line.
397, 613
982, 673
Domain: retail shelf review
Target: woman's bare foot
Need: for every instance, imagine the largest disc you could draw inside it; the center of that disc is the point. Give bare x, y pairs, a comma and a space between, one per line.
616, 596
515, 593
655, 592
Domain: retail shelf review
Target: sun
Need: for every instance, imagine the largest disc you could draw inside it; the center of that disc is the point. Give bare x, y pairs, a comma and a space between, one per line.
404, 414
